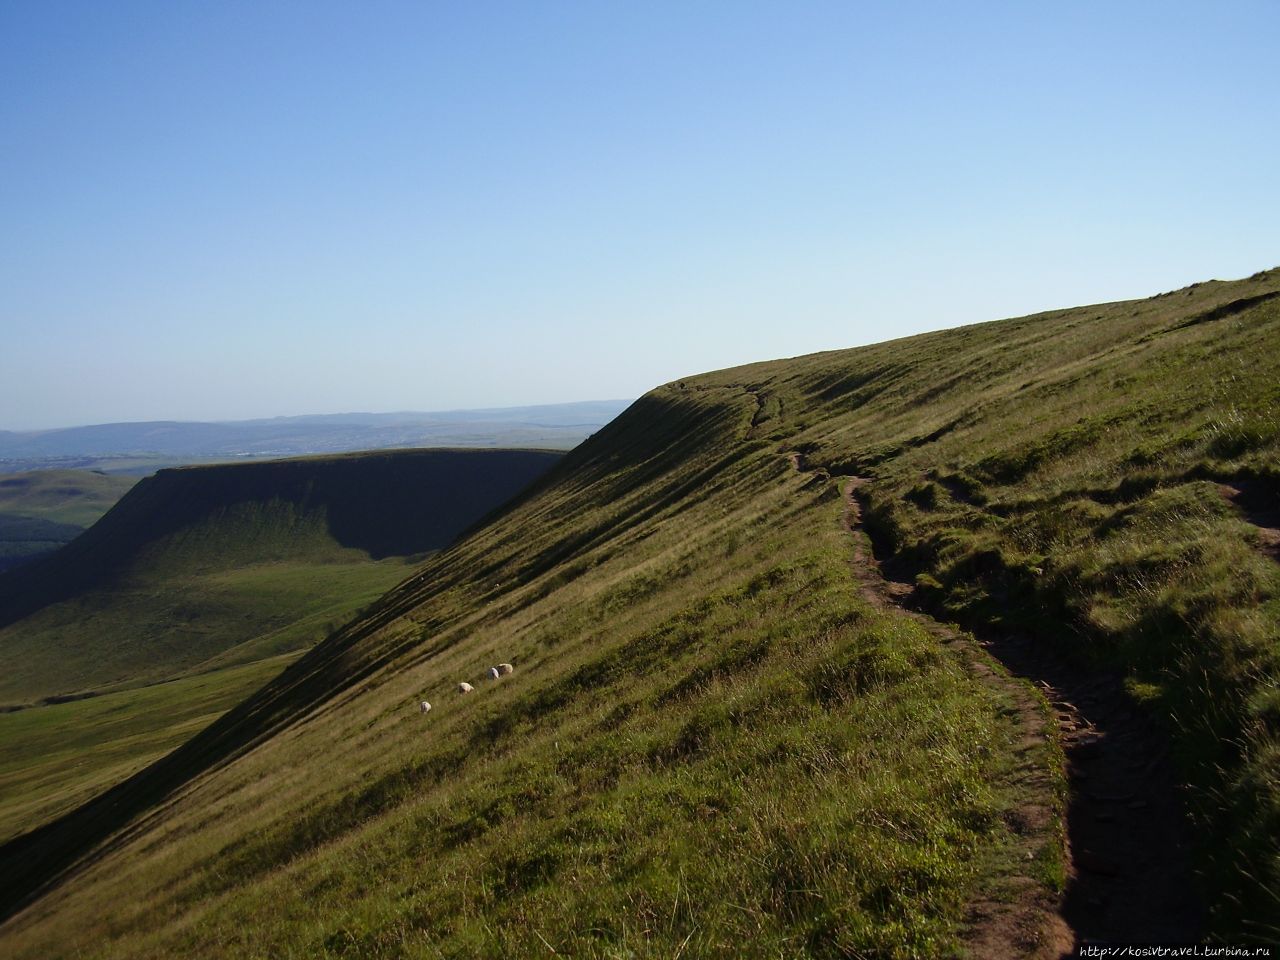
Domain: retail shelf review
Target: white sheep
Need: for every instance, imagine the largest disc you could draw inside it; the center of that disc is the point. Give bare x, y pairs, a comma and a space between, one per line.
465, 687
424, 706
493, 673
505, 669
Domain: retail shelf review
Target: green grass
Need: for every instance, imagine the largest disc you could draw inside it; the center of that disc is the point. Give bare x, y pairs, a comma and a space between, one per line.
156, 627
211, 581
711, 741
75, 497
198, 560
55, 758
44, 509
711, 745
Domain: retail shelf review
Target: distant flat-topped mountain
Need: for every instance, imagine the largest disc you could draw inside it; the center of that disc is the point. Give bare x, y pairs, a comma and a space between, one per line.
144, 447
199, 585
178, 570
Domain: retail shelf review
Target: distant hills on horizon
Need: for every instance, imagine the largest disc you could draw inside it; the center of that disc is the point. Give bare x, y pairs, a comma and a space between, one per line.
142, 447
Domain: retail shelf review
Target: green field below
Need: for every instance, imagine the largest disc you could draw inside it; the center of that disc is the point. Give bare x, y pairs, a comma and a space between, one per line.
55, 757
153, 627
196, 591
75, 497
42, 510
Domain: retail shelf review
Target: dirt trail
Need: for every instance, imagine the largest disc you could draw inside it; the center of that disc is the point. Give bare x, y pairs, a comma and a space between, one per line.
1022, 921
1258, 509
1129, 878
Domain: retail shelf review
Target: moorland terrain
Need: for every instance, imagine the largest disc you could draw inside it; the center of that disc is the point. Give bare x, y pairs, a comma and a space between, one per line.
41, 510
943, 645
196, 588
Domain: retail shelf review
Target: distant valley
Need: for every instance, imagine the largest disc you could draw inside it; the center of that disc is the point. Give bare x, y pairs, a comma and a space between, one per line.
42, 510
198, 586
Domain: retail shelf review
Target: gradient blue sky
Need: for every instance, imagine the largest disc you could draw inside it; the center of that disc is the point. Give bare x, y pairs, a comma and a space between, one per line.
224, 210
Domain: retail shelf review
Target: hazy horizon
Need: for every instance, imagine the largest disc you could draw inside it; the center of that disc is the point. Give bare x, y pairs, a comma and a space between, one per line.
238, 211
4, 428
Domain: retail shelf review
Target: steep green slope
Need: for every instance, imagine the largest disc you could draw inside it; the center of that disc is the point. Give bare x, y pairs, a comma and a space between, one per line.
24, 539
714, 744
42, 510
698, 681
222, 574
195, 561
56, 757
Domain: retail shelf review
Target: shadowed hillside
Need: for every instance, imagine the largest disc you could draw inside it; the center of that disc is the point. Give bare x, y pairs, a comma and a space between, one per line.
45, 509
195, 560
198, 588
725, 735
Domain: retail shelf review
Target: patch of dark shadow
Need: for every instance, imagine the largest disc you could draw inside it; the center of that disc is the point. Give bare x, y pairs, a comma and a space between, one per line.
1226, 310
1230, 441
522, 795
463, 831
518, 874
963, 488
1259, 503
850, 466
861, 386
817, 477
72, 697
847, 673
620, 714
737, 660
698, 734
924, 495
881, 523
942, 387
935, 435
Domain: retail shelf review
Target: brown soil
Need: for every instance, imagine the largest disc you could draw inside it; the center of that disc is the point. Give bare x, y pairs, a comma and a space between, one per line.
1024, 921
1129, 878
1258, 510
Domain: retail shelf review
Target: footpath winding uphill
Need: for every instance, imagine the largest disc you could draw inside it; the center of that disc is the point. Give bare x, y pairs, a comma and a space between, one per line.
1127, 857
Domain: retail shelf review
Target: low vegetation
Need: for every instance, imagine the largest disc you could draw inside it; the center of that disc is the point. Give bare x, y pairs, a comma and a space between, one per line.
198, 560
57, 757
713, 744
201, 586
42, 510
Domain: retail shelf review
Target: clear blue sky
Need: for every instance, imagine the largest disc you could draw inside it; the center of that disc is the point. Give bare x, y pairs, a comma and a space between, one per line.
223, 210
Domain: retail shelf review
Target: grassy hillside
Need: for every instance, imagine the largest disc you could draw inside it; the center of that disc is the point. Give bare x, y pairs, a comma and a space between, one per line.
195, 561
716, 741
76, 497
213, 579
56, 757
44, 509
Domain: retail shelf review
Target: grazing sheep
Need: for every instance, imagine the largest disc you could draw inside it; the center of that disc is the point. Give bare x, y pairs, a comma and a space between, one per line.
465, 688
493, 673
424, 706
505, 669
